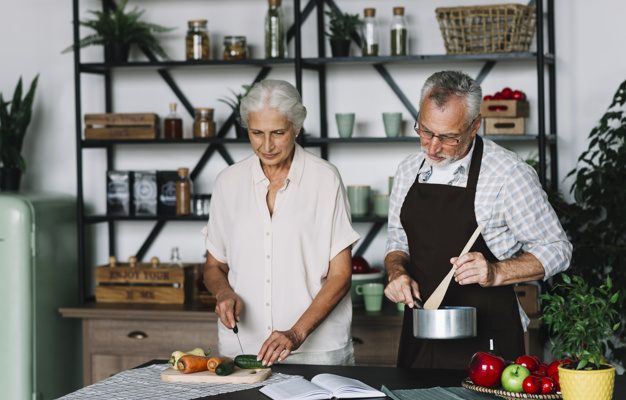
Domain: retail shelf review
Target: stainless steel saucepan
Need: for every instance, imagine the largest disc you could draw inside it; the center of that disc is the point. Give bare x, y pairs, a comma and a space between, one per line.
444, 323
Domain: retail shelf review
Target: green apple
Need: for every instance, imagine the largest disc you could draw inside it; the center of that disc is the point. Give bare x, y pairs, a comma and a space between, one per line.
513, 378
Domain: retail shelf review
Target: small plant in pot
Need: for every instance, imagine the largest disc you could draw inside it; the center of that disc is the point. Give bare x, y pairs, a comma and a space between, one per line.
581, 319
15, 116
234, 102
342, 28
118, 30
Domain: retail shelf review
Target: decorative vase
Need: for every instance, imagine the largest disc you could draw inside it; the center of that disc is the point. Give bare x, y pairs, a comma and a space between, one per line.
340, 47
587, 385
116, 53
10, 178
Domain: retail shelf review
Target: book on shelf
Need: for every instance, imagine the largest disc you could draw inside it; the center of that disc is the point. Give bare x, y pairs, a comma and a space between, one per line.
322, 386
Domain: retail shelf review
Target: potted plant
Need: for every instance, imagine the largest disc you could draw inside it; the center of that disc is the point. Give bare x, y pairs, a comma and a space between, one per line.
117, 30
342, 28
581, 318
234, 103
15, 116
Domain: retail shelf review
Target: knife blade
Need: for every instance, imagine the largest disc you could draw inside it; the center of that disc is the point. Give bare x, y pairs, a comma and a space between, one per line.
236, 332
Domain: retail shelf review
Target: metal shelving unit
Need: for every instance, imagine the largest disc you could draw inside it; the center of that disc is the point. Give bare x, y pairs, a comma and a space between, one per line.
545, 136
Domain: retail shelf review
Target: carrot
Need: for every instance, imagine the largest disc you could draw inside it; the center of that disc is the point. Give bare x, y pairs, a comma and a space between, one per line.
189, 363
214, 362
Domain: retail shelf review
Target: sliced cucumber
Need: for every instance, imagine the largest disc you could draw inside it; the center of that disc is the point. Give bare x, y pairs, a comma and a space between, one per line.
248, 361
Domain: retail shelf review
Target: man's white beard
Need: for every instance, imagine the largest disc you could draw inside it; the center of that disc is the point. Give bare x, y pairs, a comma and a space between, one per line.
446, 159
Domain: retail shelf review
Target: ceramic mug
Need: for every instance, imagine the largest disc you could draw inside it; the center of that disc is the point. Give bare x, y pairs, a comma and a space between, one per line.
358, 197
372, 295
381, 204
393, 123
345, 124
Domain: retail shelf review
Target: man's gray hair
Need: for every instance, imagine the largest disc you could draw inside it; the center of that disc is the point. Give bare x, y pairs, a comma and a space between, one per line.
277, 94
441, 85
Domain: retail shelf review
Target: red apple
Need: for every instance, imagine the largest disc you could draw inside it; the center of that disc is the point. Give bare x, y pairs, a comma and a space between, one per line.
528, 362
518, 95
507, 93
485, 369
553, 368
498, 96
547, 385
359, 265
536, 358
487, 97
532, 384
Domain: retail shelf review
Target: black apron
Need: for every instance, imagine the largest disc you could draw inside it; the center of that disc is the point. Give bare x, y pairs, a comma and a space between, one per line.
438, 221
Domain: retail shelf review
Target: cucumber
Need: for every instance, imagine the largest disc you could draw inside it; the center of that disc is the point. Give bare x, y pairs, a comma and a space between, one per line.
248, 361
225, 368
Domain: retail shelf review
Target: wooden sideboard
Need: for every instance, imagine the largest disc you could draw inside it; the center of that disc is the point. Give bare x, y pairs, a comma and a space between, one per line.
117, 337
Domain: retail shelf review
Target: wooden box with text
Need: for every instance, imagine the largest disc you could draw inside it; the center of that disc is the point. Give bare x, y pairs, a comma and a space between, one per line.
504, 108
145, 283
528, 296
504, 126
121, 126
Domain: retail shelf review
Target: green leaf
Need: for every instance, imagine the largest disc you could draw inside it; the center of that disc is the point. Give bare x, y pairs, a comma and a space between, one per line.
566, 279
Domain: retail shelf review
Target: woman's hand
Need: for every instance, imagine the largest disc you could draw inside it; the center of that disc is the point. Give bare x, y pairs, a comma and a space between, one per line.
228, 307
278, 346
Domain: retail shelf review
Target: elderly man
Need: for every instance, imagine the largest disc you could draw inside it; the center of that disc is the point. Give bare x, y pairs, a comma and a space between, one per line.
440, 195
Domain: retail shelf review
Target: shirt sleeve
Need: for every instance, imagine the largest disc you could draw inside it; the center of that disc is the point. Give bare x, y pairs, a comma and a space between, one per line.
214, 233
533, 221
343, 235
396, 236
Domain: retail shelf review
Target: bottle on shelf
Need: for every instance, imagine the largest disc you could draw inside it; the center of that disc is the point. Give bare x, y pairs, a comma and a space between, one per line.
370, 33
399, 33
197, 42
183, 192
203, 124
173, 124
275, 40
175, 260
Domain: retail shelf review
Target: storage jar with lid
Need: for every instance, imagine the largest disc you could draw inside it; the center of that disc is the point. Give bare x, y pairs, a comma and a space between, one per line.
203, 124
370, 33
235, 48
197, 41
399, 33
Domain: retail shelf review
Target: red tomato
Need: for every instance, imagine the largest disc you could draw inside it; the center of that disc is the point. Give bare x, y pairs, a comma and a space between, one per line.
528, 362
547, 385
542, 370
507, 93
518, 95
532, 385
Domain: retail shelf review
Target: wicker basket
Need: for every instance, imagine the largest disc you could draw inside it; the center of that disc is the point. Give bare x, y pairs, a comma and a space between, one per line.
495, 28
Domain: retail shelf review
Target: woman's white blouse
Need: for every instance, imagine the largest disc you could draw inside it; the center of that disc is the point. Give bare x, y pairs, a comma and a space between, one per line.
278, 264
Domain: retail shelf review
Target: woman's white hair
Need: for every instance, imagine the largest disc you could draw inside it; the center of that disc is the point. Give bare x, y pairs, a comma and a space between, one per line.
440, 86
277, 94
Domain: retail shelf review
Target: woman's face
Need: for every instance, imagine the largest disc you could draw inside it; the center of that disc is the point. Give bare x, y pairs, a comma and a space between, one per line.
272, 136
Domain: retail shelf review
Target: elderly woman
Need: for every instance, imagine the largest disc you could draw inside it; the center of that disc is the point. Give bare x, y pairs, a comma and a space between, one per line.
279, 241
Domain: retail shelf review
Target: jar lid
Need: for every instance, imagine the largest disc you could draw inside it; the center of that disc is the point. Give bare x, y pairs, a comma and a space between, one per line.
398, 11
183, 171
369, 12
197, 22
204, 111
275, 3
235, 38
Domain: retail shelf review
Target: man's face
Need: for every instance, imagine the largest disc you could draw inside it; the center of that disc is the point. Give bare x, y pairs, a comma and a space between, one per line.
449, 122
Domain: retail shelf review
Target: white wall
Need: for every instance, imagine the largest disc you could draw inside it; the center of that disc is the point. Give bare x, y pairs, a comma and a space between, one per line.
33, 33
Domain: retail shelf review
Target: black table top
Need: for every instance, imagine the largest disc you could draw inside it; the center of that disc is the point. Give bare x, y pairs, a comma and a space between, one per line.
393, 378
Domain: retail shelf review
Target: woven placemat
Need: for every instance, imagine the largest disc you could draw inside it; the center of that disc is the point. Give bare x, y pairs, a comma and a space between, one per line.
468, 384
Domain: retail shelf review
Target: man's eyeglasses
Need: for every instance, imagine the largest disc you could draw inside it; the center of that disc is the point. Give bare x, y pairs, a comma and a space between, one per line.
446, 139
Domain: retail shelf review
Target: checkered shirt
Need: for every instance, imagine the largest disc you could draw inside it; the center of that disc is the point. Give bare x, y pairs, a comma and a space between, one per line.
510, 205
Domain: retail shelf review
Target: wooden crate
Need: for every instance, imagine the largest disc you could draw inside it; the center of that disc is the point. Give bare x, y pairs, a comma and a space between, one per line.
504, 108
528, 296
144, 283
121, 126
504, 126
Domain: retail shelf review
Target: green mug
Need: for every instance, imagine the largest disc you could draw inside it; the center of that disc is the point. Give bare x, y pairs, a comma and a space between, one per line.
359, 198
372, 295
381, 204
393, 123
345, 124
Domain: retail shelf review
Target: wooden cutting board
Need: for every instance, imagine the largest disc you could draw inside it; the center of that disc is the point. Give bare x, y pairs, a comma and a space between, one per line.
238, 376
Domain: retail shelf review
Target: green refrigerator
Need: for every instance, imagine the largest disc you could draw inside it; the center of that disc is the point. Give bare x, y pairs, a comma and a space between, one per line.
41, 352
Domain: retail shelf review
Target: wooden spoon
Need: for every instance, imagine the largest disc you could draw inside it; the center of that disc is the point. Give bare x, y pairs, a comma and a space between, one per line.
435, 299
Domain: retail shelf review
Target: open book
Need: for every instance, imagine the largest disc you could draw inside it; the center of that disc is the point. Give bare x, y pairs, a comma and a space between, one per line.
322, 386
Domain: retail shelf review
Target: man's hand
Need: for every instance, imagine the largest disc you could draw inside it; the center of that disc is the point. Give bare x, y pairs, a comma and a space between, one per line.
402, 289
228, 307
278, 346
474, 268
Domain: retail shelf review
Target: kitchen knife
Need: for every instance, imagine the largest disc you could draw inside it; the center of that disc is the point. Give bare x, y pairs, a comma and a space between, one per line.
236, 332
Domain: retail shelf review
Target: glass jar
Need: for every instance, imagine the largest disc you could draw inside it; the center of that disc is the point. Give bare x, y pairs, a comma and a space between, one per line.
203, 124
183, 192
197, 41
275, 39
399, 33
173, 124
370, 33
235, 48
